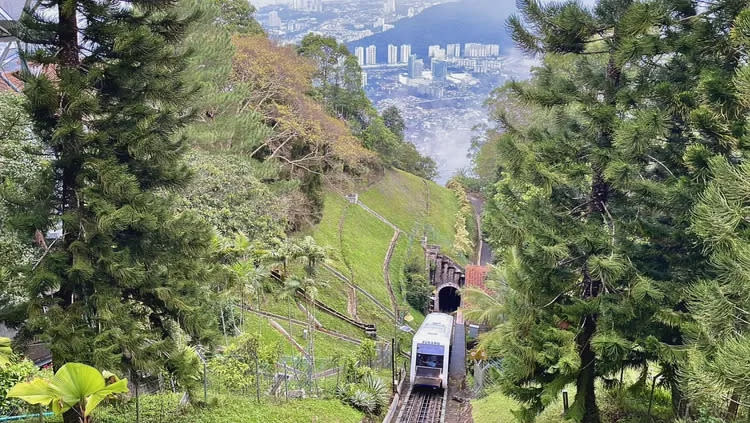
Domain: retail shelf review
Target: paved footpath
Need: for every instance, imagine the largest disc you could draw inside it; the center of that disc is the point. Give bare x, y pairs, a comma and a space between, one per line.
457, 365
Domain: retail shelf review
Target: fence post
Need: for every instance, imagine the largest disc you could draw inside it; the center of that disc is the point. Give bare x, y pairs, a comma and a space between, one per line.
393, 365
651, 397
137, 400
257, 378
205, 381
286, 381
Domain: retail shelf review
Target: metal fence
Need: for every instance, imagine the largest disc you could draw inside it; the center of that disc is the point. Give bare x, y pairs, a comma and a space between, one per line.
153, 398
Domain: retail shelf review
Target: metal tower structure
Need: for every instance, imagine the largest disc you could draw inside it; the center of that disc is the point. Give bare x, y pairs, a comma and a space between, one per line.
10, 12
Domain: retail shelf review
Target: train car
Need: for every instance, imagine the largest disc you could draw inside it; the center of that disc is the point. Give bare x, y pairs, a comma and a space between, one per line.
430, 351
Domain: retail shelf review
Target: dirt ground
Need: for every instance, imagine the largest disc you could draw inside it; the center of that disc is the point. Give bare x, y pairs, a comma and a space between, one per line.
458, 407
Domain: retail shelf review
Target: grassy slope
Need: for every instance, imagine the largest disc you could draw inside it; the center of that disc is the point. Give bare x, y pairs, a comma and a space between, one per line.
496, 408
359, 252
402, 199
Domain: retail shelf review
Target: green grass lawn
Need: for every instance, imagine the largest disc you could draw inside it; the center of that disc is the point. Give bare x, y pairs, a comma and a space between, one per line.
496, 408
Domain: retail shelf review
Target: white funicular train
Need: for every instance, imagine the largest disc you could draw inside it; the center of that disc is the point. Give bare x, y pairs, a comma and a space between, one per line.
430, 351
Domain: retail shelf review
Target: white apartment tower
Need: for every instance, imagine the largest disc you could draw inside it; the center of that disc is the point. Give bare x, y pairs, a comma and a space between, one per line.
389, 6
274, 21
371, 55
436, 51
392, 54
360, 53
405, 52
453, 50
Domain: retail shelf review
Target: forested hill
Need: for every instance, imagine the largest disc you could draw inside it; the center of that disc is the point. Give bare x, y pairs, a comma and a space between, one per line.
465, 21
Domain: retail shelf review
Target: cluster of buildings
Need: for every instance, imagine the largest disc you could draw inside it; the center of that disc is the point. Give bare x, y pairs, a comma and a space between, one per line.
288, 21
307, 5
396, 55
451, 53
469, 50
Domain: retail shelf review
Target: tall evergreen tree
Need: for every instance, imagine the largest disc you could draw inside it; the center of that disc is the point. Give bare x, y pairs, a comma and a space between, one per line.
716, 377
555, 207
126, 275
592, 210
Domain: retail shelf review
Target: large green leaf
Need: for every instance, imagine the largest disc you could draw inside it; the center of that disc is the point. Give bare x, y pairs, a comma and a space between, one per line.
75, 382
38, 391
119, 387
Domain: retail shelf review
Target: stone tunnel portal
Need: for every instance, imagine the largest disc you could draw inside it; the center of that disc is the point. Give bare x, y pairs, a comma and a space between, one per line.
449, 300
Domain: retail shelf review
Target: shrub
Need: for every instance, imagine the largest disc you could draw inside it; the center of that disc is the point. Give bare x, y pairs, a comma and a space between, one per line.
10, 375
369, 396
418, 291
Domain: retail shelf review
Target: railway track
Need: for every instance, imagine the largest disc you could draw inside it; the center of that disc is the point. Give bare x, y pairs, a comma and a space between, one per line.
423, 406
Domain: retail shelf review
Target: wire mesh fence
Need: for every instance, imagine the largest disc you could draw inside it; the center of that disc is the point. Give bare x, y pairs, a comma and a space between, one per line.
153, 398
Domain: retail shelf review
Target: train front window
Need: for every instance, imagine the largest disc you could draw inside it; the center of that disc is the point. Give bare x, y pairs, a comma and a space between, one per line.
430, 360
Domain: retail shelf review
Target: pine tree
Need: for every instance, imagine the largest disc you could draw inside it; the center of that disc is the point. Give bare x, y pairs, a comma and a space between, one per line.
127, 275
556, 204
719, 358
592, 210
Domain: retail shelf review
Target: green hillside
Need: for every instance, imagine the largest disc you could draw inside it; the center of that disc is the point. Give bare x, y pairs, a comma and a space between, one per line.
415, 205
357, 243
358, 240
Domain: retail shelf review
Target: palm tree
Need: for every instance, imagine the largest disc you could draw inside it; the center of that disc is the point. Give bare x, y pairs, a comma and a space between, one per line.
251, 278
312, 254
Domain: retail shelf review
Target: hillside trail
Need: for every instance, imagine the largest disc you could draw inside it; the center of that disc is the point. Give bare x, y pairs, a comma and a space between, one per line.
484, 252
351, 297
387, 271
351, 302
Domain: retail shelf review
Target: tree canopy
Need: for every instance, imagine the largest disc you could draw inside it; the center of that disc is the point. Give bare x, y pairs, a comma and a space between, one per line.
592, 189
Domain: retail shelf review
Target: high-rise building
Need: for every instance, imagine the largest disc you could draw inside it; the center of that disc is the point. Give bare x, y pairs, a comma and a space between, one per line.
416, 66
371, 55
439, 69
308, 5
273, 19
392, 54
360, 53
405, 52
481, 50
453, 50
436, 51
364, 79
389, 6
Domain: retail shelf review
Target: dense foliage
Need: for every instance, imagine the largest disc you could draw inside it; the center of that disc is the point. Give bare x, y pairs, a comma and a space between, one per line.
21, 167
123, 285
152, 176
596, 207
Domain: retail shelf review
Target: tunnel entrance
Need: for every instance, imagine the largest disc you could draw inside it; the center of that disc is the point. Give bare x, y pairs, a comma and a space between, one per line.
449, 299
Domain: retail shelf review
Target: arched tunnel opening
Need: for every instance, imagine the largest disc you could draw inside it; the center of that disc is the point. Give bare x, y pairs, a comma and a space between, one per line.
449, 299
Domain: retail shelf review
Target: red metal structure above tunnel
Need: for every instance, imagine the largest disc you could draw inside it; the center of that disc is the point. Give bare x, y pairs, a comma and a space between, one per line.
476, 275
